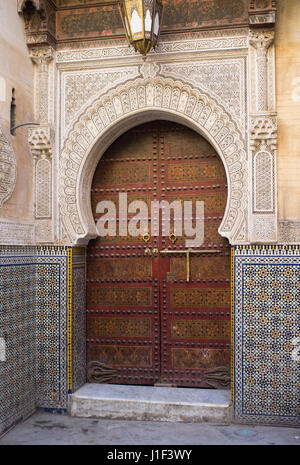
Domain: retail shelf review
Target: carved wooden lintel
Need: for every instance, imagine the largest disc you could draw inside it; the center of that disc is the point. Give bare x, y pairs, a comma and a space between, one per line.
262, 13
39, 19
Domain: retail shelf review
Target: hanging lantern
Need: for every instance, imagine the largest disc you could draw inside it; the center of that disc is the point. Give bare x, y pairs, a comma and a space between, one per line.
142, 21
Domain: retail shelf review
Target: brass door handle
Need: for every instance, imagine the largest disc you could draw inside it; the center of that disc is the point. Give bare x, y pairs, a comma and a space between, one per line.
187, 253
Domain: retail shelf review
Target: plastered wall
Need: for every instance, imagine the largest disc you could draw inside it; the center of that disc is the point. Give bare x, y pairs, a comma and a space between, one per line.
288, 107
16, 71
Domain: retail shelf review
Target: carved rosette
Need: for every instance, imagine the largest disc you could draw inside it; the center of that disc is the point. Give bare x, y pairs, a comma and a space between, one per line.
8, 169
149, 70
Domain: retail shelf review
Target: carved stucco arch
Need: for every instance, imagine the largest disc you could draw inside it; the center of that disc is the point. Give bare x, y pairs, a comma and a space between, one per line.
128, 105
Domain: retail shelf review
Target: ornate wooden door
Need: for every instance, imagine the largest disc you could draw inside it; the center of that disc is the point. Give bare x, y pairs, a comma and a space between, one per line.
158, 312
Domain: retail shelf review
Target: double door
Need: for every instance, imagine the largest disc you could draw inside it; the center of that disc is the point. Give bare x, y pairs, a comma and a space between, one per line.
158, 310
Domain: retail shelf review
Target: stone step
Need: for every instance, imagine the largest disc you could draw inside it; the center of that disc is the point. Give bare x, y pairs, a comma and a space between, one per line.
151, 403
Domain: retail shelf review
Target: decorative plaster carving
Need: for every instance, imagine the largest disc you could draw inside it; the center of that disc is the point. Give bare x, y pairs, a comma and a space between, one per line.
149, 70
289, 232
42, 57
79, 88
43, 177
40, 142
261, 40
263, 143
12, 233
164, 47
263, 229
263, 128
223, 77
43, 231
8, 169
140, 100
263, 182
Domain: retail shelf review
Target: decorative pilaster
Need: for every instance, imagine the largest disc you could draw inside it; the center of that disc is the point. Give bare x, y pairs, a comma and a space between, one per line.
263, 141
263, 128
41, 142
261, 41
42, 57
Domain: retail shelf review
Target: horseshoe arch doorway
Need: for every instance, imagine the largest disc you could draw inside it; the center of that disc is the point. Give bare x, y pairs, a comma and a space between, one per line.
158, 312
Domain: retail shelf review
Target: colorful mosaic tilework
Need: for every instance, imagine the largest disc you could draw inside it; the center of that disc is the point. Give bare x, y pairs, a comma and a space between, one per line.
51, 332
42, 319
78, 319
17, 328
266, 322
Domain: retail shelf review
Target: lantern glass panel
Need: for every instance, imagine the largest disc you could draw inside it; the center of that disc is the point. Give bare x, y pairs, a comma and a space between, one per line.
134, 12
148, 21
136, 23
148, 12
157, 20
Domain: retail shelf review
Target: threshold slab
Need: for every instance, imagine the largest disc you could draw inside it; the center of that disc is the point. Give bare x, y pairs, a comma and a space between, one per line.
151, 403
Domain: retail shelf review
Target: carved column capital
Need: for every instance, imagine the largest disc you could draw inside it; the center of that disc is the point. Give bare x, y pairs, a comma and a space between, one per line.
42, 55
262, 40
